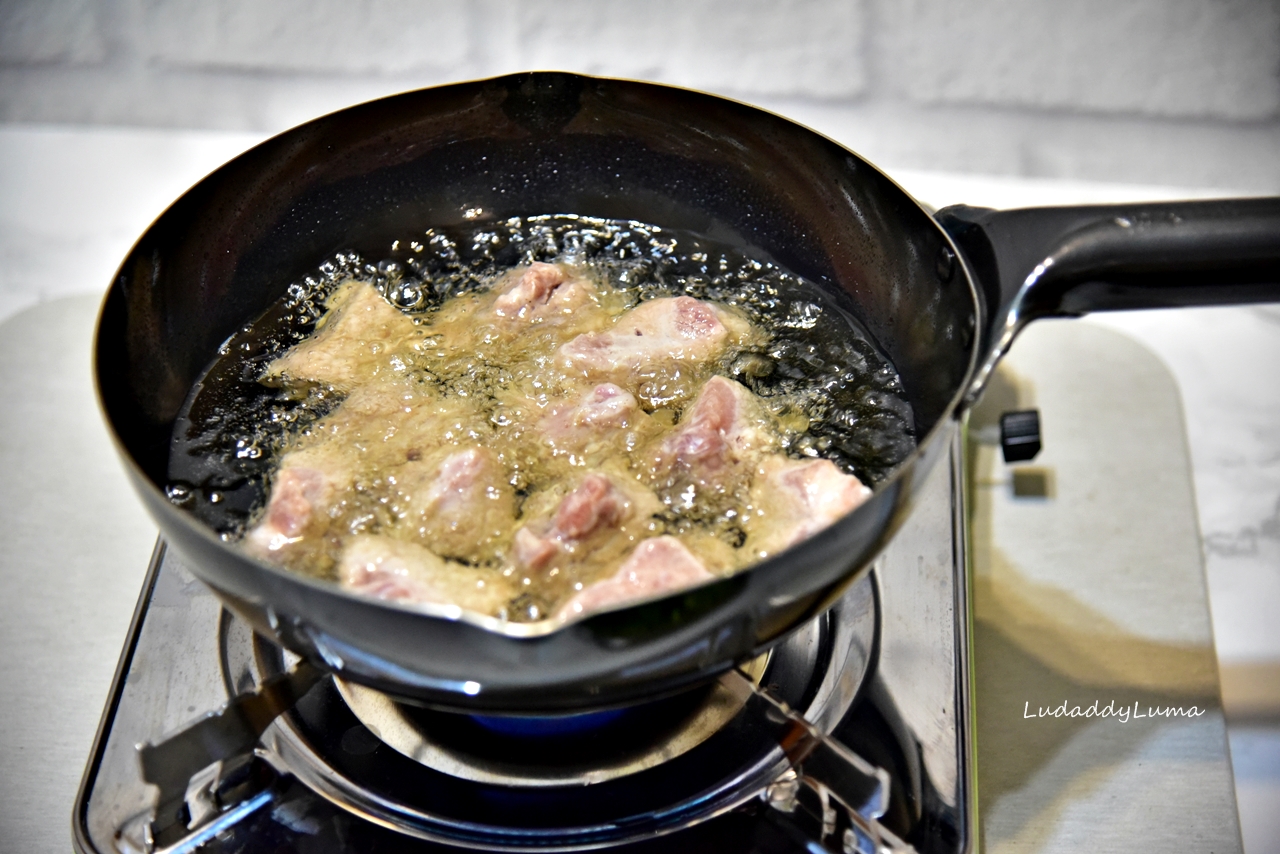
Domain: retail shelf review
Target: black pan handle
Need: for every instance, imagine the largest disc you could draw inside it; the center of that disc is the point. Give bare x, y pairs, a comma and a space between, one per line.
1041, 262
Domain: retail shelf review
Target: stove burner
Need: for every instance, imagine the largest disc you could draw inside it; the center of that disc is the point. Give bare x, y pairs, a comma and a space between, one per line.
651, 768
540, 751
542, 725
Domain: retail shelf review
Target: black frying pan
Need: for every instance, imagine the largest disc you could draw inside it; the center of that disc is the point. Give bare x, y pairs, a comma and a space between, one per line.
943, 297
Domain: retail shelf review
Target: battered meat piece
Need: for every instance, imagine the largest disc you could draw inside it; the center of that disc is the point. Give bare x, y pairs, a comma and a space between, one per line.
382, 425
595, 510
650, 346
720, 436
408, 573
658, 566
361, 338
509, 331
604, 406
795, 499
458, 506
604, 421
541, 293
391, 569
305, 487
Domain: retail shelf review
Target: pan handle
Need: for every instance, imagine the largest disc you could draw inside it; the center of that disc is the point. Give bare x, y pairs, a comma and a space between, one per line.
1069, 261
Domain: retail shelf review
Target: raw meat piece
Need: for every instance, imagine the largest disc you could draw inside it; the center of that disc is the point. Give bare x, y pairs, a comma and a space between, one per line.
679, 329
724, 428
795, 499
457, 505
658, 566
362, 337
597, 506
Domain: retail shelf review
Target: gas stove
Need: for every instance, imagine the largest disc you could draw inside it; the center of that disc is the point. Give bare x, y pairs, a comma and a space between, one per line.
852, 735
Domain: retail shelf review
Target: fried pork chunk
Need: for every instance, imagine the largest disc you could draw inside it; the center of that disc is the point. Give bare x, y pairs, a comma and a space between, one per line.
381, 426
589, 522
655, 347
604, 407
604, 421
542, 293
795, 499
305, 487
392, 569
714, 446
361, 338
458, 506
658, 566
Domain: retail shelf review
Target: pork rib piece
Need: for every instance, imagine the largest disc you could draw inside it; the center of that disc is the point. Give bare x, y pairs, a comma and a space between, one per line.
795, 499
657, 566
725, 429
405, 572
306, 485
597, 505
541, 293
604, 421
362, 337
604, 406
392, 569
672, 329
456, 505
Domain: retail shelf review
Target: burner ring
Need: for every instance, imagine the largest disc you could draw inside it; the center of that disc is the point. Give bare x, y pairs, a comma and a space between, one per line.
818, 670
424, 736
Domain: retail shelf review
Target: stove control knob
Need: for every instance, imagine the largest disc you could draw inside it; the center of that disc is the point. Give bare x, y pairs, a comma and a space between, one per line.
1020, 435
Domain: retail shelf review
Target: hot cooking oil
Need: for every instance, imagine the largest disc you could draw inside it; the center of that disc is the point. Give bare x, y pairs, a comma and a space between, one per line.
826, 391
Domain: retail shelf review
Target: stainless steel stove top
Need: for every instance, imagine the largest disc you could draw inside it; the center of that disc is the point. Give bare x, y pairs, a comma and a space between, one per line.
885, 673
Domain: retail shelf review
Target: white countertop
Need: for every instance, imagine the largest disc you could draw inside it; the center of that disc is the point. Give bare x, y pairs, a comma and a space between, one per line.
77, 542
1089, 592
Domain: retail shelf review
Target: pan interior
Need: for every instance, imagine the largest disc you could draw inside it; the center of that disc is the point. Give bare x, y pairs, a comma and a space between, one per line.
487, 151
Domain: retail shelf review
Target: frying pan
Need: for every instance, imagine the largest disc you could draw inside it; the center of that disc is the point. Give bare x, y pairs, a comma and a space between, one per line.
942, 296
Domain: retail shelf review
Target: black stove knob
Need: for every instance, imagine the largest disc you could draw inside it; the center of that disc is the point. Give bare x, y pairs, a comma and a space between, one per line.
1020, 435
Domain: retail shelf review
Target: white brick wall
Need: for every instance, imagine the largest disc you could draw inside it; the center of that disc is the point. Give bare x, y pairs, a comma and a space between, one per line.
1183, 92
1216, 58
55, 31
368, 36
770, 47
